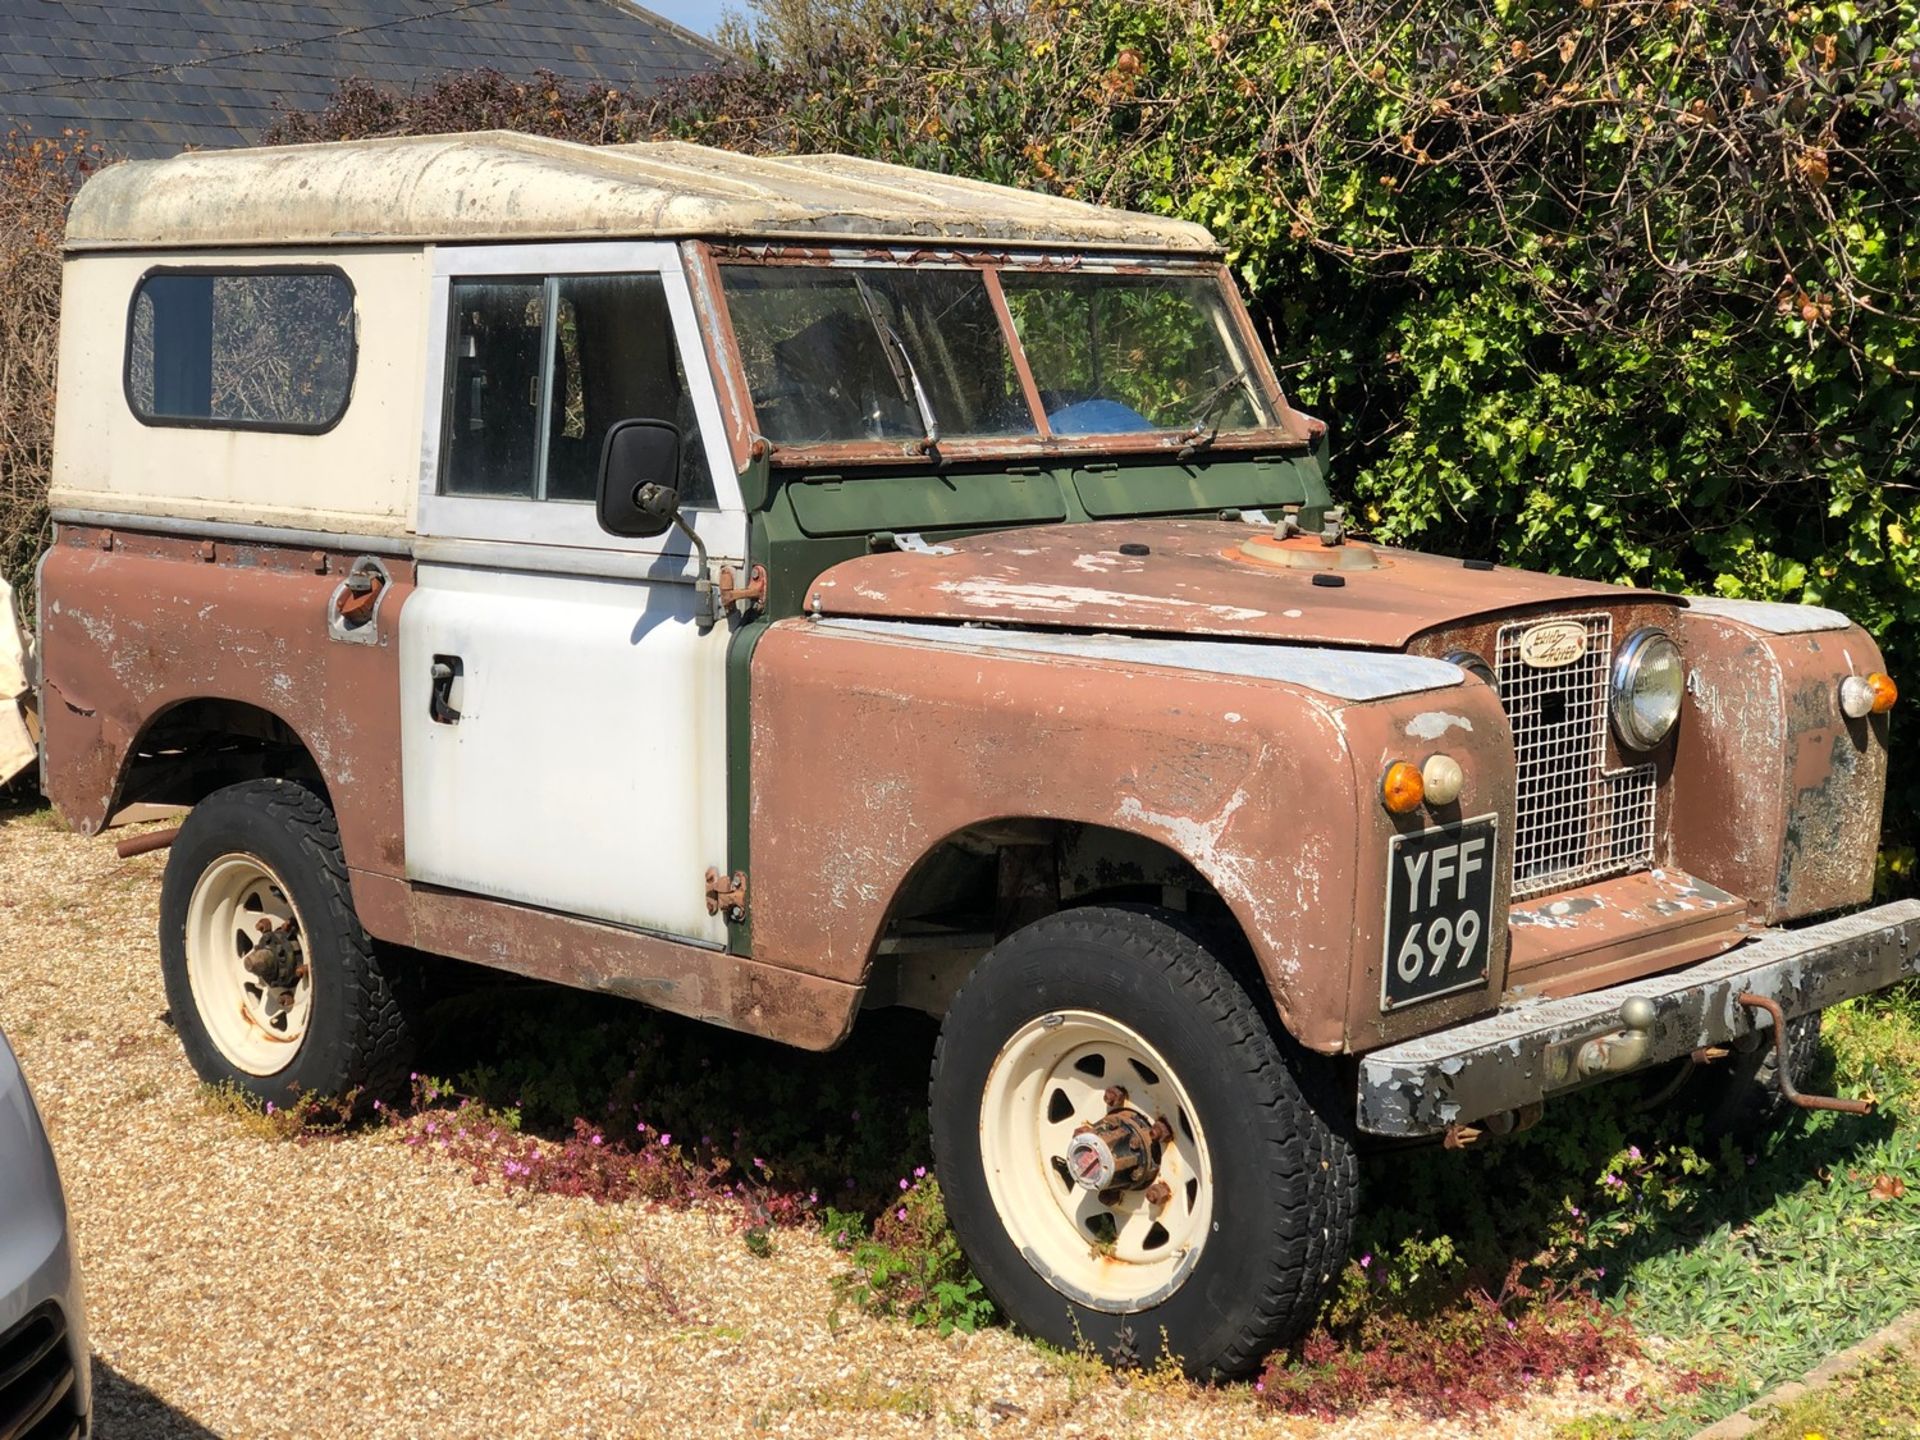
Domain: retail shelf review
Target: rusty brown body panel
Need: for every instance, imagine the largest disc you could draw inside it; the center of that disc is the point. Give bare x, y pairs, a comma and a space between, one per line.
1776, 795
134, 624
810, 1011
1198, 580
869, 752
1619, 929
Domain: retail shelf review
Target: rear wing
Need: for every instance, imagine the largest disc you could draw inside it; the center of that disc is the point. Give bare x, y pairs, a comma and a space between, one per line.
19, 723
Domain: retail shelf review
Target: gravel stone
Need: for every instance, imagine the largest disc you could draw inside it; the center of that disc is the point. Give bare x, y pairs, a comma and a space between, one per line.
239, 1286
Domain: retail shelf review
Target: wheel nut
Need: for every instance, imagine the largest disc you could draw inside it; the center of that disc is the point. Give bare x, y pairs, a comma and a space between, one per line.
1159, 1193
1161, 1132
1116, 1098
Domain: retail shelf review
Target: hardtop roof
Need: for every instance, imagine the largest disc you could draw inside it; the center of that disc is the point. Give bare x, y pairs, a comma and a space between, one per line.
504, 186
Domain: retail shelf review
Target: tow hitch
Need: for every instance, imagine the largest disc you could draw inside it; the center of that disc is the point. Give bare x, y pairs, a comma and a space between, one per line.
1783, 1072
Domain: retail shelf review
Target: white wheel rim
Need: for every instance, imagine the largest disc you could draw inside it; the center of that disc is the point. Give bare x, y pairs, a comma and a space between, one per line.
238, 905
1149, 1250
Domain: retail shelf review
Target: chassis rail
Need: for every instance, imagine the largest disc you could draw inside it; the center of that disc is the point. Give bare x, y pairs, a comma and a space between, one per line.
1536, 1050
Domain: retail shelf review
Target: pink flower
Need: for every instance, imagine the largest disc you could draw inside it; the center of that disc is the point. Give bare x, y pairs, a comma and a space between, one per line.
901, 1213
903, 1183
666, 1139
919, 1172
596, 1138
1366, 1261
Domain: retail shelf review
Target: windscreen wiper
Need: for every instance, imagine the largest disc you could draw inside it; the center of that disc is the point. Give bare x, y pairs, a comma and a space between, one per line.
1199, 432
901, 363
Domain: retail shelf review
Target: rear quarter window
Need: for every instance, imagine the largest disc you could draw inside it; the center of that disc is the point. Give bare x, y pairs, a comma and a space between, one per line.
241, 349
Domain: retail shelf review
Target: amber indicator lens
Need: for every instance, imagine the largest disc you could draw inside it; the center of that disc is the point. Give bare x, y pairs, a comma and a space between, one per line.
1864, 695
1401, 788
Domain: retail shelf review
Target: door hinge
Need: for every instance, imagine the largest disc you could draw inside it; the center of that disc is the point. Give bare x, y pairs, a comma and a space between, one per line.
753, 592
727, 895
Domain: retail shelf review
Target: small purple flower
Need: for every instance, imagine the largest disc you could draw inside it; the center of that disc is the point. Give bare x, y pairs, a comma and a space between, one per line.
919, 1172
1633, 1152
666, 1139
597, 1139
1576, 1210
1613, 1182
269, 1107
903, 1183
1366, 1261
758, 1163
901, 1213
1600, 1272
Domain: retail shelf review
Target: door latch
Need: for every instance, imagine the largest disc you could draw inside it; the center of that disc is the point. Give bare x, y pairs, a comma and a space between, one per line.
446, 670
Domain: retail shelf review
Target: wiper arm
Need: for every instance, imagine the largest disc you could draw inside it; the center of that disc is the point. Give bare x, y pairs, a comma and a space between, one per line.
901, 363
1199, 432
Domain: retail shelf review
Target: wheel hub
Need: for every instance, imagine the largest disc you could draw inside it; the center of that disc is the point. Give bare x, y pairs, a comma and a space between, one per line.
1119, 1151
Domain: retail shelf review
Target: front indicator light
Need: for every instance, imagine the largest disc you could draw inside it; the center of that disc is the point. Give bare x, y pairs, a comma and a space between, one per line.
1401, 788
1649, 682
1442, 779
1864, 695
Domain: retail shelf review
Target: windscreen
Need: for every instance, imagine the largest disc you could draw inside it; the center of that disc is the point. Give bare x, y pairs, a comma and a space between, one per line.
1118, 354
875, 353
848, 354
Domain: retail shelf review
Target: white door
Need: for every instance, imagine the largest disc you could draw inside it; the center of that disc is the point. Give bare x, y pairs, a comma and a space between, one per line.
563, 722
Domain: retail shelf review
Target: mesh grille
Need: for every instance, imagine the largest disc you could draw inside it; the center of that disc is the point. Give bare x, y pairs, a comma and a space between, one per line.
1575, 820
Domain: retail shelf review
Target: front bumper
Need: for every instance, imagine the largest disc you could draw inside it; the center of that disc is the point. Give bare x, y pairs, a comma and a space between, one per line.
1532, 1051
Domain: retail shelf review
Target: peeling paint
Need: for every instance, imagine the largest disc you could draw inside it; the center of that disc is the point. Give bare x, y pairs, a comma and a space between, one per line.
1432, 724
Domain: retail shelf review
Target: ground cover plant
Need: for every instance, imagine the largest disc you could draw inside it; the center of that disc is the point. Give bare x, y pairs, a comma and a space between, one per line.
1610, 1233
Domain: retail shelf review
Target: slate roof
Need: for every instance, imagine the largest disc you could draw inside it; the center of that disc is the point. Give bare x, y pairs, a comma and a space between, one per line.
148, 78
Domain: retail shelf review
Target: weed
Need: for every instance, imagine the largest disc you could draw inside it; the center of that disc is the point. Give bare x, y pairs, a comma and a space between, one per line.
632, 1278
306, 1117
1878, 1401
910, 1266
1467, 1358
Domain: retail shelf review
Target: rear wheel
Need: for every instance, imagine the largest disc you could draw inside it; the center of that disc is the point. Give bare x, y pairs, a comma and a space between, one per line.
1131, 1158
275, 987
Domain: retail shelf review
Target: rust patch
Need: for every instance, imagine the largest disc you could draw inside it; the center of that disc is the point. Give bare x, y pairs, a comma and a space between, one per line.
812, 1012
149, 624
1777, 796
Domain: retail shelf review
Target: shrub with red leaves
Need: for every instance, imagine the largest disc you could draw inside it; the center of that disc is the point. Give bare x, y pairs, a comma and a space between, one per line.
1468, 1358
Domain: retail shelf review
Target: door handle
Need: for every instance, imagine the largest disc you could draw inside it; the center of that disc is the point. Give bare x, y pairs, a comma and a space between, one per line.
446, 670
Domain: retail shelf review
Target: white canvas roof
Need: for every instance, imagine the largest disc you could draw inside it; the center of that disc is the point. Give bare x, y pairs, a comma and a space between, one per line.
499, 185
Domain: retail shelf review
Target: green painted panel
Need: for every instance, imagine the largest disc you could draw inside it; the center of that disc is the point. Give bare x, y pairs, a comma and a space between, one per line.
1172, 489
860, 505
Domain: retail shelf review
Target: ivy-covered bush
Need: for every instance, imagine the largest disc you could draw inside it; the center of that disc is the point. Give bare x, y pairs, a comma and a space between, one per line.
1623, 288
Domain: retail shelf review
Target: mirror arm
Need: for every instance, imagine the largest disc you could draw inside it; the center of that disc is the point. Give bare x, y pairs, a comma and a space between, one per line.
706, 610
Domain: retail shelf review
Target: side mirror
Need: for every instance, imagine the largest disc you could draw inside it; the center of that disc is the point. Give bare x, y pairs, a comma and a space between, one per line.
639, 476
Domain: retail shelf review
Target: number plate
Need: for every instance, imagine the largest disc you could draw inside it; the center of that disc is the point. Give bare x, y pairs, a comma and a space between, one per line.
1439, 911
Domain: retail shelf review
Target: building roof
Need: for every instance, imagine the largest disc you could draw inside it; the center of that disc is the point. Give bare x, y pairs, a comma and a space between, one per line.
150, 77
499, 185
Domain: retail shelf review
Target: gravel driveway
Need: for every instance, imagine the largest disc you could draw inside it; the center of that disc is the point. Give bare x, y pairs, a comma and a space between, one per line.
242, 1287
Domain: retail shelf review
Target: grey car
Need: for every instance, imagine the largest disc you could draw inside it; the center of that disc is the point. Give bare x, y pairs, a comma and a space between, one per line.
45, 1385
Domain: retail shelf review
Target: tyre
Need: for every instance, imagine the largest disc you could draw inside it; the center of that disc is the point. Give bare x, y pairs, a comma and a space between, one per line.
1095, 1035
274, 986
1740, 1097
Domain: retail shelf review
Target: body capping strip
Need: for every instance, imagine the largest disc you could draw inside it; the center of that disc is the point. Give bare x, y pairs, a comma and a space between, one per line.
1341, 674
236, 531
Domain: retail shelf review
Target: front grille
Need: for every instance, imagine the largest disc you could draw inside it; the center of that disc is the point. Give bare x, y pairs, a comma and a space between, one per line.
1575, 820
38, 1390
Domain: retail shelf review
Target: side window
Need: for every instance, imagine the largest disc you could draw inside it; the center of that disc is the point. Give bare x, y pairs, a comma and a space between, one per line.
241, 349
539, 369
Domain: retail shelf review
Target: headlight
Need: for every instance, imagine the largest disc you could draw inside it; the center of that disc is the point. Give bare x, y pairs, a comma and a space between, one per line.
1474, 665
1649, 679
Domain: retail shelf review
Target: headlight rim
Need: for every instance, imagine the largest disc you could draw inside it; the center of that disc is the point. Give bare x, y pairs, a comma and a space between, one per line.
1627, 661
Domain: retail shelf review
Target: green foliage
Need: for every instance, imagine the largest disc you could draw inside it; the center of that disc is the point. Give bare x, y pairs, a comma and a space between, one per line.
910, 1266
1621, 288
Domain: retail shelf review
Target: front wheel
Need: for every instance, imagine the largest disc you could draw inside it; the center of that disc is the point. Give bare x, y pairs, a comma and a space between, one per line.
274, 987
1131, 1158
